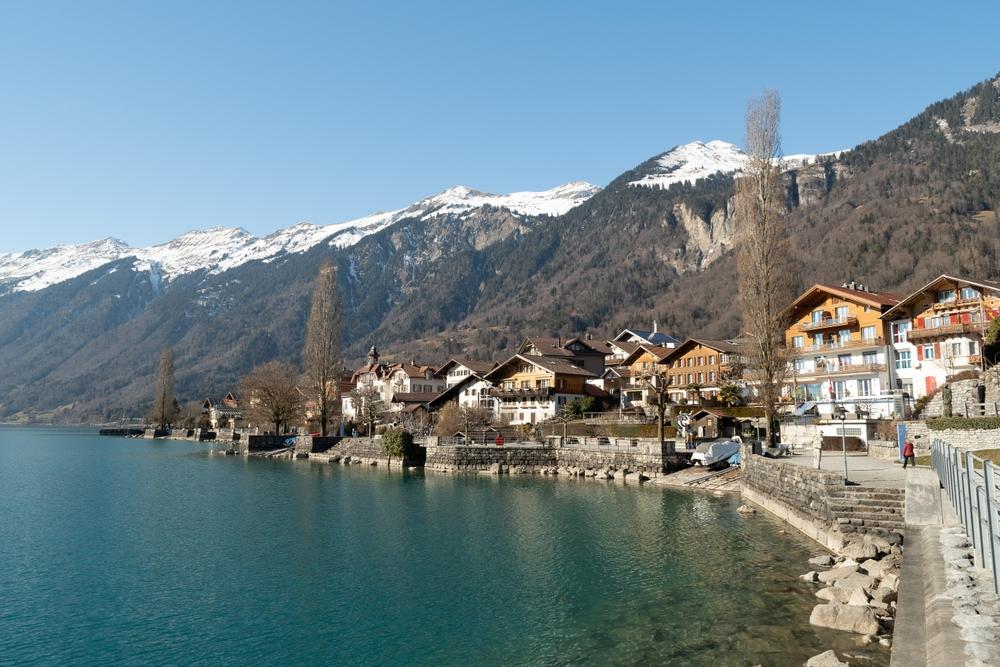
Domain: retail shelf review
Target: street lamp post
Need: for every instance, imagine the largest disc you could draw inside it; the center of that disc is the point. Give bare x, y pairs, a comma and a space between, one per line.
842, 415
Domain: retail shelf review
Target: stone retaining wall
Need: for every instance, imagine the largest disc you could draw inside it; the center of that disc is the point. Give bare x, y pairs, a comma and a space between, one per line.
646, 458
883, 449
963, 392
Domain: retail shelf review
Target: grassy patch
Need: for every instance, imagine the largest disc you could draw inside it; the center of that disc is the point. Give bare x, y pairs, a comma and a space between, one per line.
988, 454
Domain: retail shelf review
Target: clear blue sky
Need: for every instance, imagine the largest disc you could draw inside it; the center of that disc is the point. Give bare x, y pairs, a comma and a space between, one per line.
142, 120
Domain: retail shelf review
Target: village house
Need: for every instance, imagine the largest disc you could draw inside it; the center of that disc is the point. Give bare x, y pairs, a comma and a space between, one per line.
581, 352
222, 412
699, 368
625, 343
466, 384
836, 344
531, 388
395, 384
712, 423
937, 332
640, 374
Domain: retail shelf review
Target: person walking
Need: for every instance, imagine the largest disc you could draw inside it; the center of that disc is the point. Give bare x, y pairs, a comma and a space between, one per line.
908, 456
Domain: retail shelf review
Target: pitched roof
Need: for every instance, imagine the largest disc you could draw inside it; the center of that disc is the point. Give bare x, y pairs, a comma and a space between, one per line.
478, 367
652, 337
726, 346
413, 397
880, 300
545, 346
941, 281
658, 352
599, 346
551, 364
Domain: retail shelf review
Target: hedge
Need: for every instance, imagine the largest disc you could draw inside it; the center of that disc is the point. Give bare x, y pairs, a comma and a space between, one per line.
963, 423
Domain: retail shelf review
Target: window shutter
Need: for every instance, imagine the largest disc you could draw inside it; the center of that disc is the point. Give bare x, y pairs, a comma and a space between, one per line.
920, 352
920, 323
966, 318
937, 350
954, 318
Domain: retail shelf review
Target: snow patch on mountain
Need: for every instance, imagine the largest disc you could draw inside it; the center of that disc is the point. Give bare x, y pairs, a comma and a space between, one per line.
696, 160
219, 249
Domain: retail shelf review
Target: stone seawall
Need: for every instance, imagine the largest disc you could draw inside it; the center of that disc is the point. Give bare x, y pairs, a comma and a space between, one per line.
586, 460
817, 503
357, 451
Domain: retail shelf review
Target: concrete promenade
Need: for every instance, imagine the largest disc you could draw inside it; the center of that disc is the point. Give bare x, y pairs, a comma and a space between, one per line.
861, 469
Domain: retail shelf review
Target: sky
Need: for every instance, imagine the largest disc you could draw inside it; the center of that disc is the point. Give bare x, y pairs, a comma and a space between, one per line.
142, 120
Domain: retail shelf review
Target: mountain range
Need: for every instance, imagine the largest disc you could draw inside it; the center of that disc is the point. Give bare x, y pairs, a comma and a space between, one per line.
470, 273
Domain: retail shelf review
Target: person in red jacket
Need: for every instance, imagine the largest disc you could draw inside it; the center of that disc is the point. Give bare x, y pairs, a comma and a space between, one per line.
908, 453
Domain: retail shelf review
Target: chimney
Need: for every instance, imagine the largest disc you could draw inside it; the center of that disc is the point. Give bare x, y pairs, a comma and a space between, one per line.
850, 285
590, 336
654, 326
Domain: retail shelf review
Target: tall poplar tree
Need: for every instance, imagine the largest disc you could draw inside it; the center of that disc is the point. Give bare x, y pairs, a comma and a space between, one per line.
164, 404
763, 262
321, 354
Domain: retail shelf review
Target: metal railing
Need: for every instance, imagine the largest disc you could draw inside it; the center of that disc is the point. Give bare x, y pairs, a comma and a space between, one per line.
974, 496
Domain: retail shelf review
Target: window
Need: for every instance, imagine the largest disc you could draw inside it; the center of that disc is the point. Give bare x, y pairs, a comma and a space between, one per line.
956, 349
842, 313
711, 376
969, 293
701, 377
840, 389
525, 384
843, 360
817, 316
543, 384
868, 333
818, 340
799, 365
928, 351
844, 335
903, 360
899, 330
865, 388
973, 347
944, 296
690, 378
711, 359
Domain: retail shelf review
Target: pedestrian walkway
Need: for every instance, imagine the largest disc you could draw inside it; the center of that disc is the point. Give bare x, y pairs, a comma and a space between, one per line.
861, 469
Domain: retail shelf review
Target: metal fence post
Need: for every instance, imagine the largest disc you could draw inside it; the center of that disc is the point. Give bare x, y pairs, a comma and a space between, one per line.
991, 505
970, 466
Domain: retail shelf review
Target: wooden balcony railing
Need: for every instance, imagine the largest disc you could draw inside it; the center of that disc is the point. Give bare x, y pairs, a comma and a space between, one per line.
947, 330
829, 322
834, 345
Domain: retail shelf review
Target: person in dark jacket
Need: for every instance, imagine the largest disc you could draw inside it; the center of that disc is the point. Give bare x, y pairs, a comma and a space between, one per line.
908, 456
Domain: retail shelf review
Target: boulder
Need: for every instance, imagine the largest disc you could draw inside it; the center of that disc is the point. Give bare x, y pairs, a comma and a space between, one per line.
855, 581
859, 598
825, 659
874, 567
833, 594
883, 595
837, 573
809, 576
746, 509
821, 561
890, 581
860, 620
860, 550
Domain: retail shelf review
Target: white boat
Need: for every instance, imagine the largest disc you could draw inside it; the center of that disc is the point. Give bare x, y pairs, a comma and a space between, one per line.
715, 452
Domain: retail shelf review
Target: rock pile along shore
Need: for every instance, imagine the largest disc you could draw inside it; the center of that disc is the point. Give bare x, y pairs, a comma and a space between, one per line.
858, 591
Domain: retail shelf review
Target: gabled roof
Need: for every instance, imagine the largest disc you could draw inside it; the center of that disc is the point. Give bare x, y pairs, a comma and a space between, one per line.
411, 370
599, 346
658, 353
477, 367
651, 337
944, 280
625, 346
724, 346
413, 397
820, 292
546, 346
550, 364
452, 391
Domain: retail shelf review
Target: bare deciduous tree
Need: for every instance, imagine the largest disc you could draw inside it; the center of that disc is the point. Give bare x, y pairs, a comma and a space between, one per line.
657, 385
272, 396
368, 406
762, 254
165, 407
321, 354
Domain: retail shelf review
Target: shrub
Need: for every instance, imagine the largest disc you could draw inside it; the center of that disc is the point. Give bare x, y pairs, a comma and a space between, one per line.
963, 423
397, 443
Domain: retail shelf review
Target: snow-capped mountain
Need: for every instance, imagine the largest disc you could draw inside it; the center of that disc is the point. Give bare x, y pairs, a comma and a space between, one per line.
690, 162
219, 249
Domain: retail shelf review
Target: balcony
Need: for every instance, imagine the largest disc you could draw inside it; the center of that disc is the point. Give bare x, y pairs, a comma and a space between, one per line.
967, 304
834, 345
947, 330
829, 323
844, 369
531, 393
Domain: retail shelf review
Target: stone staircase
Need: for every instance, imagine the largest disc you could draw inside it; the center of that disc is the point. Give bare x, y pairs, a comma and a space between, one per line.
868, 510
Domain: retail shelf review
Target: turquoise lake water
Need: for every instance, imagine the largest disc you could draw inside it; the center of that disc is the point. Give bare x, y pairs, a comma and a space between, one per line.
154, 552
